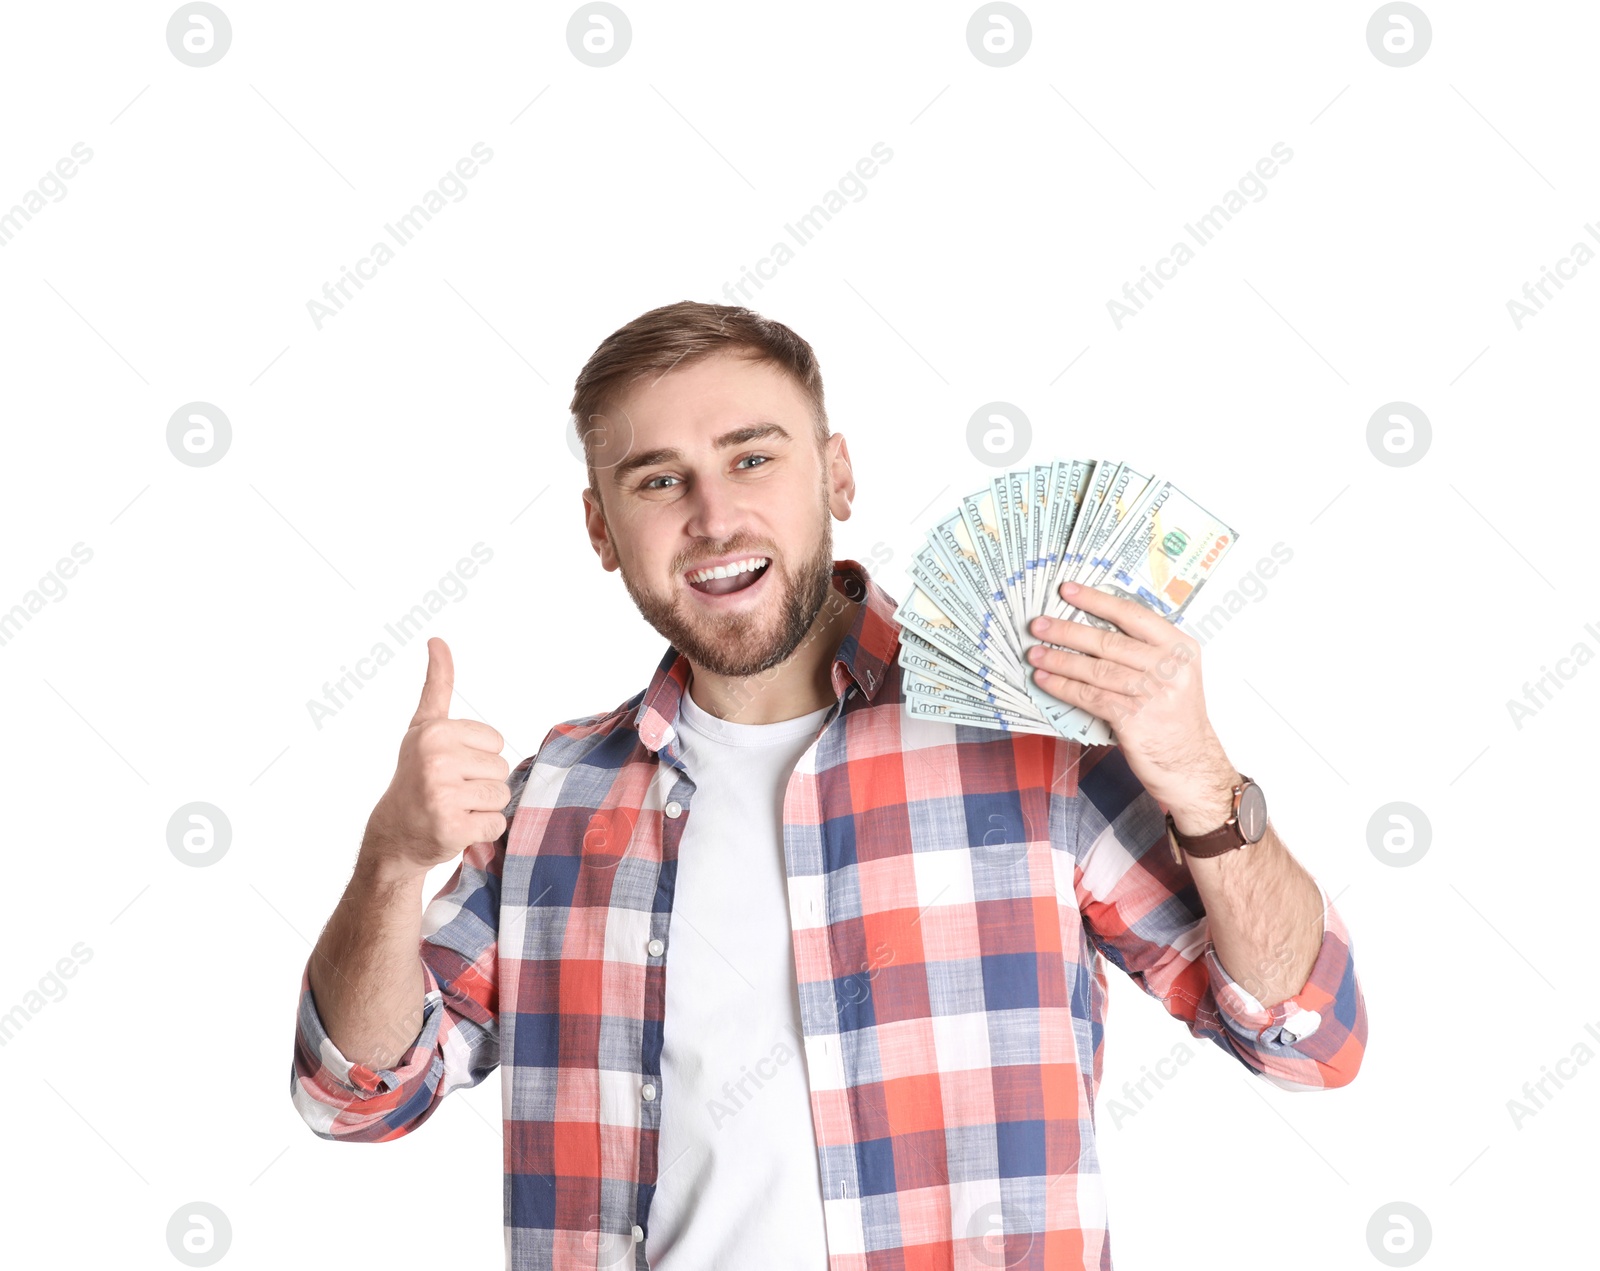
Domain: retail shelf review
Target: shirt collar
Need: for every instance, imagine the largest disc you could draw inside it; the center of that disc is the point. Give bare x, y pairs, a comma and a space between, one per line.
864, 657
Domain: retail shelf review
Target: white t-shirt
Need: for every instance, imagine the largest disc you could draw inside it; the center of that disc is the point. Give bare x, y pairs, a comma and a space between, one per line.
738, 1185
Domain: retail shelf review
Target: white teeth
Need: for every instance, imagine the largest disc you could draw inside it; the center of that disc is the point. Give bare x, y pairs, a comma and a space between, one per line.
724, 571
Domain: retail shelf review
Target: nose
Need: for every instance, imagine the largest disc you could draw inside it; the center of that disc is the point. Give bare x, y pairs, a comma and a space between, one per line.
714, 510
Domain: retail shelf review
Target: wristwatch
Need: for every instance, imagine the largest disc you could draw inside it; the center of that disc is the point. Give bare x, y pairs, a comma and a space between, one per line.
1246, 824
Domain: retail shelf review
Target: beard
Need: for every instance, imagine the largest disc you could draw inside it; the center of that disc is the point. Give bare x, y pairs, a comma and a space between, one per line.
742, 644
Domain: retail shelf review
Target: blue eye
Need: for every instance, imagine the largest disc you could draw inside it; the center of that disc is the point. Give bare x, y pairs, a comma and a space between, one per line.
650, 483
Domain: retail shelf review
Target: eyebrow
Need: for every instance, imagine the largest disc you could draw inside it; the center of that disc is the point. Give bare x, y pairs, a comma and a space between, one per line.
736, 437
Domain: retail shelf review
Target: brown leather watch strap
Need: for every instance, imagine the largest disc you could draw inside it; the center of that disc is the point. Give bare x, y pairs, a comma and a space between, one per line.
1227, 837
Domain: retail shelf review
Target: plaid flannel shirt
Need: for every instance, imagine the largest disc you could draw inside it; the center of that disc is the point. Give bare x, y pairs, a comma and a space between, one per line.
954, 895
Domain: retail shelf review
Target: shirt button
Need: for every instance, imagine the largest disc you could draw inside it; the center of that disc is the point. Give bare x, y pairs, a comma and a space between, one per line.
655, 948
649, 1092
638, 1233
674, 808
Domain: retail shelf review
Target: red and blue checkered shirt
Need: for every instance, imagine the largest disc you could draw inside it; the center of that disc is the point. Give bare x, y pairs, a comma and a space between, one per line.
954, 894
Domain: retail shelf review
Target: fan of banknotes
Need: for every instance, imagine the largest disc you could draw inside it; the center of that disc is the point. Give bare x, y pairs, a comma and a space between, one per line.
997, 562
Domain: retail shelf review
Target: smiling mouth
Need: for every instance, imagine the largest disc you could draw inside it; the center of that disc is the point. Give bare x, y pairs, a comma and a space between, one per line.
726, 579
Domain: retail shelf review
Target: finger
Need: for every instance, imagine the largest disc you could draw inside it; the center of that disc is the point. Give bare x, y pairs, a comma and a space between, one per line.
464, 762
479, 735
485, 827
1130, 615
1106, 705
1086, 668
482, 765
439, 684
486, 796
1087, 638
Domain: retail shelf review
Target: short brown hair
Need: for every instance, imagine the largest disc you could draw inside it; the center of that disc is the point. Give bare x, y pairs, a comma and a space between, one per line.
676, 335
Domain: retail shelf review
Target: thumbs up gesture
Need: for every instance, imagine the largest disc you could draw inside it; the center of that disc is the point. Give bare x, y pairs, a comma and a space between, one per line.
449, 788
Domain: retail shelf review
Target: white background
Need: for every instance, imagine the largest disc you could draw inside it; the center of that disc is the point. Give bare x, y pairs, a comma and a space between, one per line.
429, 415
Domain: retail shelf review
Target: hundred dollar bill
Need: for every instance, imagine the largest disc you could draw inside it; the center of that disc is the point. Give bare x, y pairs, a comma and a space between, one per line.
944, 582
983, 529
1012, 498
1121, 497
916, 684
918, 612
1128, 514
1091, 731
957, 603
952, 536
997, 562
933, 663
1163, 562
1121, 492
1066, 485
923, 708
1034, 513
1100, 478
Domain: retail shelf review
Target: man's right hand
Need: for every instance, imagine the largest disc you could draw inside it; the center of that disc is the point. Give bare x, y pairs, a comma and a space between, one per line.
449, 787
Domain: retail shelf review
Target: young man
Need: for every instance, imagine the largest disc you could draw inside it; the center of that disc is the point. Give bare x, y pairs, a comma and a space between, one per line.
777, 976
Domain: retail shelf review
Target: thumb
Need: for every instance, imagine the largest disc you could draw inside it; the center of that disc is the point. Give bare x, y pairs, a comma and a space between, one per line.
437, 688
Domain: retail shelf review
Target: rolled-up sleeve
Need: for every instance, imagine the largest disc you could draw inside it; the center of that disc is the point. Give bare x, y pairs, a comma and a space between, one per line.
1145, 915
458, 1043
1311, 1041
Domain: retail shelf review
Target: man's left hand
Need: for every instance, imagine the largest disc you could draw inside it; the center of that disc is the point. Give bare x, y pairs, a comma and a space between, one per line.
1144, 680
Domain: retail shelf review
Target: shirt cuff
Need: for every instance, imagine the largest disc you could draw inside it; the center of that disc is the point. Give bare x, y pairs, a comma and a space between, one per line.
1288, 1024
324, 1073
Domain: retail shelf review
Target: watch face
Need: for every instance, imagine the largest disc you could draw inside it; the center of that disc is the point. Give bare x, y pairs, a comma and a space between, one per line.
1252, 813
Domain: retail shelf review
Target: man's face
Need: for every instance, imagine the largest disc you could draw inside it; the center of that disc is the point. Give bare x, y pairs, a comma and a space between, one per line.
714, 464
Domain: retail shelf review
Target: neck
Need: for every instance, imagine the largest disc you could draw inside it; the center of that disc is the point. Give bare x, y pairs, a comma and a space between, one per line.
798, 685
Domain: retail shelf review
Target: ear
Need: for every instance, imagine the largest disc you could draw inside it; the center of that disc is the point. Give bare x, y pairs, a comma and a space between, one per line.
841, 476
594, 524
